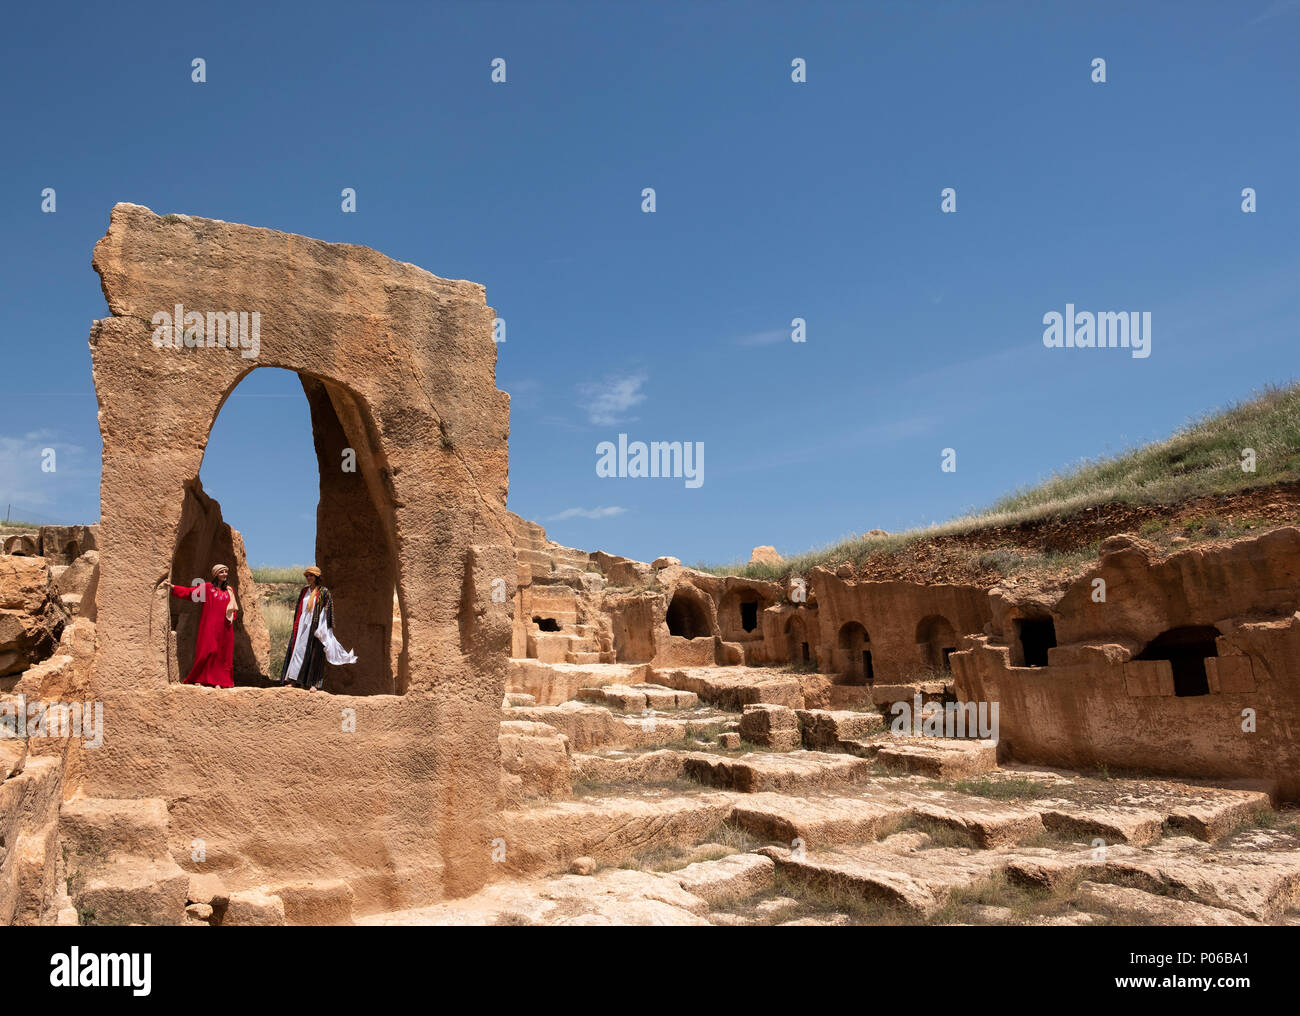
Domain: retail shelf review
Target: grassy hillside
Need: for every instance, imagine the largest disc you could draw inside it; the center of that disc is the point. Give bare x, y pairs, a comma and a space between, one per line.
287, 573
18, 526
1202, 458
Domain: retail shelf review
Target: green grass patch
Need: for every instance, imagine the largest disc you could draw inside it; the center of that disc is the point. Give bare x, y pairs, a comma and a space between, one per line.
1017, 788
288, 573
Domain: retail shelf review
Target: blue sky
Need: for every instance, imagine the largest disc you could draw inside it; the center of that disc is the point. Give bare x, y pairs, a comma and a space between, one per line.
775, 200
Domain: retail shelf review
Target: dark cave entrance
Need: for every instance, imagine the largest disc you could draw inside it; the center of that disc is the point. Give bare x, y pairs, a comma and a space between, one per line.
1186, 650
687, 617
1037, 635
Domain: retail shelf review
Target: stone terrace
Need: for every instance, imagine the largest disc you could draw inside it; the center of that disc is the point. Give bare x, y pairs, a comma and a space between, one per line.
637, 801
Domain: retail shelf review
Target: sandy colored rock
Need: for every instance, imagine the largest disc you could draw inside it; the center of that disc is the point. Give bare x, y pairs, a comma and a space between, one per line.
1261, 886
1095, 702
1141, 907
728, 878
792, 772
13, 756
539, 755
643, 767
29, 806
62, 545
1114, 825
77, 577
22, 545
817, 821
607, 898
940, 758
734, 687
1214, 819
97, 826
824, 729
253, 908
775, 727
546, 838
208, 888
558, 682
132, 890
315, 903
31, 616
615, 696
916, 882
988, 824
398, 365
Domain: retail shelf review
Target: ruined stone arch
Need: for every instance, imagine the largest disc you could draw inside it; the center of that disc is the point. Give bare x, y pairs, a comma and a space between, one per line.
799, 647
687, 615
937, 640
386, 361
853, 654
405, 363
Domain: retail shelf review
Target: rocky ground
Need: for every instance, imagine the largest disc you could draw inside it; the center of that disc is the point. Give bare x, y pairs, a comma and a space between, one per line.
705, 809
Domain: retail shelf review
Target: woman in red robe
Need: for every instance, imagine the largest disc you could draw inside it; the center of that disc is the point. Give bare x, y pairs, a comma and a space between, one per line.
214, 646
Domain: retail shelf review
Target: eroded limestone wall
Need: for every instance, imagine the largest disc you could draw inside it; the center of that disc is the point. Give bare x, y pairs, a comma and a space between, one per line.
901, 622
408, 363
1095, 703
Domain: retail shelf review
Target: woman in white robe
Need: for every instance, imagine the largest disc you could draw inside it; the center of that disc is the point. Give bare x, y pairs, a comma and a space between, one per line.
312, 642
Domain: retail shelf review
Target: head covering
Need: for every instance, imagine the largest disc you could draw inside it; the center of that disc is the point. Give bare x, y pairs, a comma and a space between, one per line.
311, 569
232, 606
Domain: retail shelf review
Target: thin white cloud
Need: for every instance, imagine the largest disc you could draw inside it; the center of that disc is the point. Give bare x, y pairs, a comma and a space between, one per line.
587, 513
1274, 10
768, 338
25, 484
607, 401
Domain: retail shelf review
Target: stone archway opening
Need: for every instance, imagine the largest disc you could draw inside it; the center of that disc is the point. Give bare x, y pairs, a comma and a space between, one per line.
798, 646
937, 639
687, 617
399, 365
346, 507
854, 646
740, 611
1186, 649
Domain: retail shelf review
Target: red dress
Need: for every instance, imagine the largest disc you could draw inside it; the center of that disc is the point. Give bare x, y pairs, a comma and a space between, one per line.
214, 646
